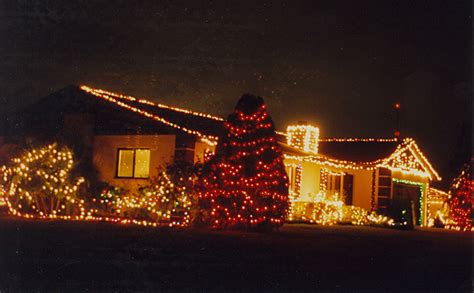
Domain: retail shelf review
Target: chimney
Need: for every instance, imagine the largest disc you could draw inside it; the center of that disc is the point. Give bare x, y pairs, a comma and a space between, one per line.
303, 136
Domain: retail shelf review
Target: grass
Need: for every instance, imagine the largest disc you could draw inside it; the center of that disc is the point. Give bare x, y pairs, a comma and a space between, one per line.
76, 256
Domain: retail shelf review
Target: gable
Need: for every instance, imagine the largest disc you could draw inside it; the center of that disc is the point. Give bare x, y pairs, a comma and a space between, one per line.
409, 159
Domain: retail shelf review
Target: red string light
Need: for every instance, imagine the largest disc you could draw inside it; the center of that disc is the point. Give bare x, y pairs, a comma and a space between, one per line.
245, 183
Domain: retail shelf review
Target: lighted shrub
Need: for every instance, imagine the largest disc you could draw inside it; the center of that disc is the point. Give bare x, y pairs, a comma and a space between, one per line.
161, 201
39, 184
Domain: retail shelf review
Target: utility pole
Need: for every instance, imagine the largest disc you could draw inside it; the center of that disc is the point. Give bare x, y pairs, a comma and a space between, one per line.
4, 116
397, 107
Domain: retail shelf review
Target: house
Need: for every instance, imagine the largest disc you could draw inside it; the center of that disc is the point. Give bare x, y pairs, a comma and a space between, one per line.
368, 173
130, 139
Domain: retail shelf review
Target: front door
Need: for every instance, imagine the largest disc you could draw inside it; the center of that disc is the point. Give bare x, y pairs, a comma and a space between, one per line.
347, 184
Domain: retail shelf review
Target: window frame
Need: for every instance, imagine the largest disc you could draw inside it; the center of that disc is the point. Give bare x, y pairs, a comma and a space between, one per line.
133, 163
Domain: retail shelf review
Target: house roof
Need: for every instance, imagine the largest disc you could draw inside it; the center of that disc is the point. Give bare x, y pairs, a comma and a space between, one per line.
47, 116
203, 125
357, 150
383, 152
122, 114
208, 127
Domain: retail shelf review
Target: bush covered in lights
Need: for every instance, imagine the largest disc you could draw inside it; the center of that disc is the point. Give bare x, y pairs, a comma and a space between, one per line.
39, 184
245, 184
168, 199
161, 201
324, 209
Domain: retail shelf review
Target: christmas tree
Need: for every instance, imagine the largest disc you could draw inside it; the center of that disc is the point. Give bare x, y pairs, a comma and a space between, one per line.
245, 186
461, 201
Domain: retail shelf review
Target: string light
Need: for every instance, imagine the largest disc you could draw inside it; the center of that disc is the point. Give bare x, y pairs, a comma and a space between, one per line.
148, 102
245, 185
406, 159
119, 100
39, 183
461, 201
38, 186
435, 203
414, 164
329, 209
303, 137
329, 162
358, 139
159, 202
421, 198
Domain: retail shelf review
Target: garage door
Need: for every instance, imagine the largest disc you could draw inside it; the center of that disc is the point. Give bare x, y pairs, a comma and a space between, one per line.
403, 194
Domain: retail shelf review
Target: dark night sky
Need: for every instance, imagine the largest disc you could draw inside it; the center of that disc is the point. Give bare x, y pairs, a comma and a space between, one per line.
338, 64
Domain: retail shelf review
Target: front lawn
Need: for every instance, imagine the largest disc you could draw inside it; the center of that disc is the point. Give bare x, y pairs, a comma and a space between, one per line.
66, 256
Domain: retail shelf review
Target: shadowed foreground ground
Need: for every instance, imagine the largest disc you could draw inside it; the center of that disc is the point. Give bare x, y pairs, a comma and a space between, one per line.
68, 256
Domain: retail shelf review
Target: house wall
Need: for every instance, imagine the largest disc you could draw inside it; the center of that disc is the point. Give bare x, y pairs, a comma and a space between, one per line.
310, 179
105, 152
310, 173
362, 188
310, 182
200, 148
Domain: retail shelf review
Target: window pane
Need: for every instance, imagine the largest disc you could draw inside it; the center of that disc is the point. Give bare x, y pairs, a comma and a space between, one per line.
384, 172
384, 191
125, 163
384, 201
142, 163
385, 181
338, 183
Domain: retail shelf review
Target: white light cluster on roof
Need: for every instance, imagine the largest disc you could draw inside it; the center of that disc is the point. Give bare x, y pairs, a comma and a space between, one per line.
397, 161
303, 137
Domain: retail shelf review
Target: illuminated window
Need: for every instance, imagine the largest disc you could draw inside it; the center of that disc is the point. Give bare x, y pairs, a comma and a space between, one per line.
133, 163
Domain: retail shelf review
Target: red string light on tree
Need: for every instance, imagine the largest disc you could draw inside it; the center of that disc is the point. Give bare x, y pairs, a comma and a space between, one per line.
461, 201
245, 184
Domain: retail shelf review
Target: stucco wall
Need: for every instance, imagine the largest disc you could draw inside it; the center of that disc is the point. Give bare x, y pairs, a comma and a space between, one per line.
199, 150
362, 188
105, 153
310, 182
310, 178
